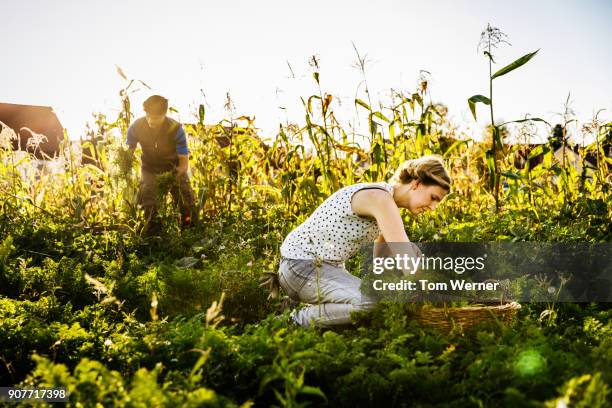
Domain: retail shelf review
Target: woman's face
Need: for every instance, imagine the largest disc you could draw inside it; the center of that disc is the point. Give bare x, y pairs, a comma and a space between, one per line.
416, 197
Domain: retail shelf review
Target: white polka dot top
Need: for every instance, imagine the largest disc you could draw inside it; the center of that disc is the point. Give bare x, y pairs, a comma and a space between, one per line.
333, 232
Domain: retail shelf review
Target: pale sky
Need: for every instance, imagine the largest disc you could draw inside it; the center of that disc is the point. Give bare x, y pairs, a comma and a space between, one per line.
63, 54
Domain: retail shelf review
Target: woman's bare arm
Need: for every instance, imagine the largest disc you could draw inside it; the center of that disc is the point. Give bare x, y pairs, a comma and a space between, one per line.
381, 249
379, 204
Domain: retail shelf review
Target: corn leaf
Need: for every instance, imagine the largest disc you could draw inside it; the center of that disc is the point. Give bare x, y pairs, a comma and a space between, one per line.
363, 104
472, 101
526, 120
511, 67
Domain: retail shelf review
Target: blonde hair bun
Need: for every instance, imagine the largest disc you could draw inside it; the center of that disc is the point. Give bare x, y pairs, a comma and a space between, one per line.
430, 170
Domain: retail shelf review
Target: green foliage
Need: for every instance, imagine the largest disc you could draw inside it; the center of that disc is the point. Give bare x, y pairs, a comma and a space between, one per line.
91, 383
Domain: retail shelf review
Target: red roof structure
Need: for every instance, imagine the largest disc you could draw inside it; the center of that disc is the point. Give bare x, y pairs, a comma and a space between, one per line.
30, 121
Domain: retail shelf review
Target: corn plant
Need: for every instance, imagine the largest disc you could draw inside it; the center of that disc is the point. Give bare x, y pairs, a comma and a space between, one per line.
490, 39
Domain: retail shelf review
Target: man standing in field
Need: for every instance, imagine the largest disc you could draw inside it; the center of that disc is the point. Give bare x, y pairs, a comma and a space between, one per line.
164, 149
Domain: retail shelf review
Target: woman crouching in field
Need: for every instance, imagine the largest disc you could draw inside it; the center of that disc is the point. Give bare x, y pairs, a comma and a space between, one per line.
348, 219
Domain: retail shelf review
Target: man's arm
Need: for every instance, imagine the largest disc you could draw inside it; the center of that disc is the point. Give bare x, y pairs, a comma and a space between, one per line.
183, 164
182, 152
132, 142
130, 155
131, 139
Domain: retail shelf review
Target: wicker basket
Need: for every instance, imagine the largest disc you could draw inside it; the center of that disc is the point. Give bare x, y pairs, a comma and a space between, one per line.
445, 318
